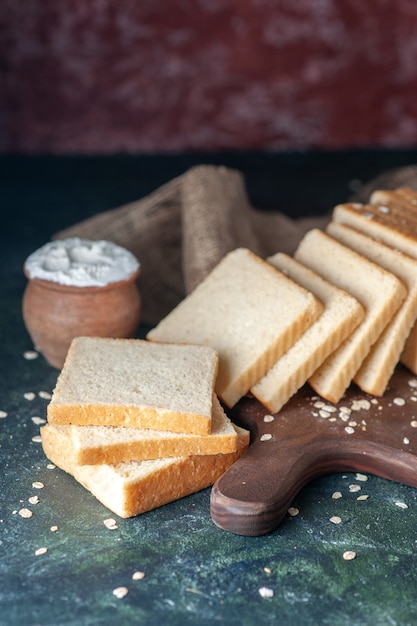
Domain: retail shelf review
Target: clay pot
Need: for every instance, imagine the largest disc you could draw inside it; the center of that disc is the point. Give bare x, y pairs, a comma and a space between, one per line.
55, 313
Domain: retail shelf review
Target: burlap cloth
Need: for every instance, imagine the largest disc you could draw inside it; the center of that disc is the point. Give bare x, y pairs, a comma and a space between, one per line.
182, 230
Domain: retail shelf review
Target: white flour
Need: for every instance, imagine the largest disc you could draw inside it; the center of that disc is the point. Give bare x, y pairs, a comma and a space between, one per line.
81, 262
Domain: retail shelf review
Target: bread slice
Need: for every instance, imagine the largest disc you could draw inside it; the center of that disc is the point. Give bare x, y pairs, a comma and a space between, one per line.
396, 230
378, 367
134, 487
95, 445
135, 383
380, 293
342, 314
249, 312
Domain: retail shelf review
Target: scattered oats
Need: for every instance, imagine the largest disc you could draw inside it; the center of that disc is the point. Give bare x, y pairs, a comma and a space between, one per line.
266, 437
354, 488
120, 592
26, 513
34, 500
267, 570
362, 477
314, 414
29, 395
332, 419
337, 495
41, 551
335, 519
293, 511
330, 408
345, 409
406, 441
266, 592
324, 413
110, 523
138, 575
401, 505
30, 355
364, 497
45, 395
50, 466
345, 417
353, 423
349, 430
269, 418
38, 485
399, 401
412, 383
319, 404
3, 413
349, 555
413, 423
374, 401
53, 529
38, 420
413, 398
37, 439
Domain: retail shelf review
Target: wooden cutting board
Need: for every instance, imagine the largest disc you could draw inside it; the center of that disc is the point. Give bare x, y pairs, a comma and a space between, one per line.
308, 438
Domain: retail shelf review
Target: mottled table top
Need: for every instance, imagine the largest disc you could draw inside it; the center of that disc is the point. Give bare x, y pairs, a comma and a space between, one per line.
60, 564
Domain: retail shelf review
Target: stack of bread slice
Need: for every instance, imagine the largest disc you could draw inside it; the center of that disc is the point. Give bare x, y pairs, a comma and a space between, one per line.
139, 424
363, 270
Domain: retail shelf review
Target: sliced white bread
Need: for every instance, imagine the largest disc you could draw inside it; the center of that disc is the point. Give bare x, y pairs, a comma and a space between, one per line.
95, 445
249, 312
135, 383
398, 232
380, 293
376, 370
342, 314
134, 487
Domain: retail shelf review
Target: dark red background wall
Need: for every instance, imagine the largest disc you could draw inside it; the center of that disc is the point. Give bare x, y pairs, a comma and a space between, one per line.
104, 76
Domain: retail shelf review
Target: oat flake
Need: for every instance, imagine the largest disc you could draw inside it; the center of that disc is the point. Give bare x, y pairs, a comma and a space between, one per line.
38, 421
266, 437
349, 430
38, 485
110, 523
41, 551
293, 511
412, 383
53, 529
354, 488
29, 395
45, 395
337, 495
335, 519
34, 500
138, 575
406, 441
269, 418
349, 555
120, 592
37, 439
29, 355
25, 513
3, 413
266, 592
364, 497
399, 401
361, 477
401, 505
413, 423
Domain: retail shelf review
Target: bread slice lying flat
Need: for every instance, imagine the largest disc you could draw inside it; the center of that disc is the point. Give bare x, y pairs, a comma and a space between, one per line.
377, 368
134, 487
342, 314
249, 312
135, 383
380, 293
393, 228
93, 445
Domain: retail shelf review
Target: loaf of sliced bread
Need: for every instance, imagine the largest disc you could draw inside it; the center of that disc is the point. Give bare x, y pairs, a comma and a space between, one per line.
134, 487
376, 370
380, 293
92, 445
396, 230
342, 314
249, 312
135, 383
